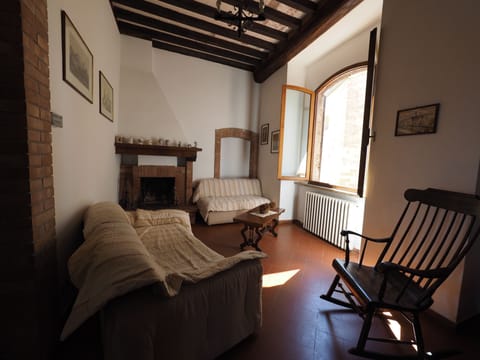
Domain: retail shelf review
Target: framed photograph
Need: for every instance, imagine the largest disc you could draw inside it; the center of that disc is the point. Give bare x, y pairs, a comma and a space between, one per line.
264, 134
419, 120
106, 97
77, 60
275, 141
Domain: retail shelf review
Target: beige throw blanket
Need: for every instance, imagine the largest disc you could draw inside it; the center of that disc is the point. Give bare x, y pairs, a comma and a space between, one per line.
117, 258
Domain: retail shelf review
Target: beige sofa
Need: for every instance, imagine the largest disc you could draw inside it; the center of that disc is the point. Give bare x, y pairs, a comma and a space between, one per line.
161, 292
220, 200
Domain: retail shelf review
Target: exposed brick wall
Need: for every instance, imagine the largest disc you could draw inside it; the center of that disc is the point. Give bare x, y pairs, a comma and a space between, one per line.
28, 289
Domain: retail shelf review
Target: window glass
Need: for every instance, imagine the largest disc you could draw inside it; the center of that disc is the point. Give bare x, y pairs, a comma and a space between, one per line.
338, 130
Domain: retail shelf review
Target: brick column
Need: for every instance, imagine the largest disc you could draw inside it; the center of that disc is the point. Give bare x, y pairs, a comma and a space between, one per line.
28, 276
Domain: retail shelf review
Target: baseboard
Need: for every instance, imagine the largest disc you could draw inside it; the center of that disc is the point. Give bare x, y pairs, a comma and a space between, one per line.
285, 221
470, 325
298, 223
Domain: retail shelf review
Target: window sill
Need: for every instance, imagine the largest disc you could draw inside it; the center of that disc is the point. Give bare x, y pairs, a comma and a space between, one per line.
331, 192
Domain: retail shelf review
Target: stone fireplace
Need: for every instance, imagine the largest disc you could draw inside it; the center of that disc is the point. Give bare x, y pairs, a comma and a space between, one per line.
155, 186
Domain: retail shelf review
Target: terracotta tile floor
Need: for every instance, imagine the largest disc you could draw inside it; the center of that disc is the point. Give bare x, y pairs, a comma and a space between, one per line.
297, 324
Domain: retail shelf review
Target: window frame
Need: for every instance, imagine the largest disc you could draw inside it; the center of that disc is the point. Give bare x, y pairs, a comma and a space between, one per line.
366, 130
332, 79
367, 113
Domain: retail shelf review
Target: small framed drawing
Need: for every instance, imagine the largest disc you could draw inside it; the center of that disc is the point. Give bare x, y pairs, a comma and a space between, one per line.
264, 134
106, 97
275, 141
419, 120
77, 60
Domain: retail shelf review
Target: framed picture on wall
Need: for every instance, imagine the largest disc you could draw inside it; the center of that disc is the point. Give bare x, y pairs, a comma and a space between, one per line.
106, 97
264, 134
77, 60
418, 120
275, 141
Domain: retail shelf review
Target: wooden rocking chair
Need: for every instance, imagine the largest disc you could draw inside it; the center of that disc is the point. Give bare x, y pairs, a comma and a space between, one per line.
434, 233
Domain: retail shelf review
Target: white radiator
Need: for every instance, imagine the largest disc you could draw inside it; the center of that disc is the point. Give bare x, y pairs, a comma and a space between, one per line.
326, 217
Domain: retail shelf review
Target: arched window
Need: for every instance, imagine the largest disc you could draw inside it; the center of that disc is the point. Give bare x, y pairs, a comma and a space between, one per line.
337, 139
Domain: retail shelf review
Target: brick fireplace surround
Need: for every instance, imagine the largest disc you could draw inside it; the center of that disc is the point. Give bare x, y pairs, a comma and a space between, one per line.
131, 172
28, 281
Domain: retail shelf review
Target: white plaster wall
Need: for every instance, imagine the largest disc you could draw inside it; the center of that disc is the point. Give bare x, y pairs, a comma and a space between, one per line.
269, 113
185, 99
232, 160
85, 168
353, 51
428, 54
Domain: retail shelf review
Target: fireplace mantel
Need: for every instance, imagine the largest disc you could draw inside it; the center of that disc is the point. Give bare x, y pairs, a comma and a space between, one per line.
189, 153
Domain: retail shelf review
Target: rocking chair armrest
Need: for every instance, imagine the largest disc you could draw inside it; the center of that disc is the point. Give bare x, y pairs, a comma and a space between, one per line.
386, 267
346, 234
378, 240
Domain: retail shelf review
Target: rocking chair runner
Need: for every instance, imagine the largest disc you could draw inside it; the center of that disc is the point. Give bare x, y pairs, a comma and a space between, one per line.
434, 233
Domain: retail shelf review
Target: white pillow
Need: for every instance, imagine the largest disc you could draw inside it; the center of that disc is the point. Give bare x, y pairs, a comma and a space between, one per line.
162, 217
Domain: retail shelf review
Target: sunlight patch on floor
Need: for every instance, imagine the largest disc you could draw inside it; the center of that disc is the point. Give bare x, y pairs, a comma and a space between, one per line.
278, 278
396, 328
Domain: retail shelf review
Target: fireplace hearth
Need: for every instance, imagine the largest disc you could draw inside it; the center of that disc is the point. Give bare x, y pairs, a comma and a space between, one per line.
157, 193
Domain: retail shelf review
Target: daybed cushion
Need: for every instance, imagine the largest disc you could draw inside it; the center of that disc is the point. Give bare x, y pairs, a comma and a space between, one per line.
117, 258
227, 187
209, 205
222, 217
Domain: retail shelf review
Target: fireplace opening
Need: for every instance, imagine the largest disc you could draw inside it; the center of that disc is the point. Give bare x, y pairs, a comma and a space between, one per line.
157, 192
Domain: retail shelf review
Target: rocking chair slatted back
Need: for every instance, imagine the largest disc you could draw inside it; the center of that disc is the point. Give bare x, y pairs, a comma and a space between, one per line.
433, 234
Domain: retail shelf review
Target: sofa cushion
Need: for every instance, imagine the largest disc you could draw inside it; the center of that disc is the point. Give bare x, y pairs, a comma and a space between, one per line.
111, 262
103, 213
162, 217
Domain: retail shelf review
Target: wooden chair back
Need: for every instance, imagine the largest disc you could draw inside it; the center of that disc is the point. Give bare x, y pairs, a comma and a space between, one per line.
434, 233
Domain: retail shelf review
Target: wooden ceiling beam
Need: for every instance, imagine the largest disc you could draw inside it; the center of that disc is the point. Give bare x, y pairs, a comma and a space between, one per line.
274, 15
158, 25
209, 11
319, 22
126, 28
260, 29
193, 22
305, 6
197, 54
187, 27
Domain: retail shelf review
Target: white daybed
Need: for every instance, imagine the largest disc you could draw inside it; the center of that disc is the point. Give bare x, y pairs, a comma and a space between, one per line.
220, 200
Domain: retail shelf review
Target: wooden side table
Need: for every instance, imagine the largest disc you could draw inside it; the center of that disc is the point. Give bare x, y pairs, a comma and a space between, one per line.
255, 225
